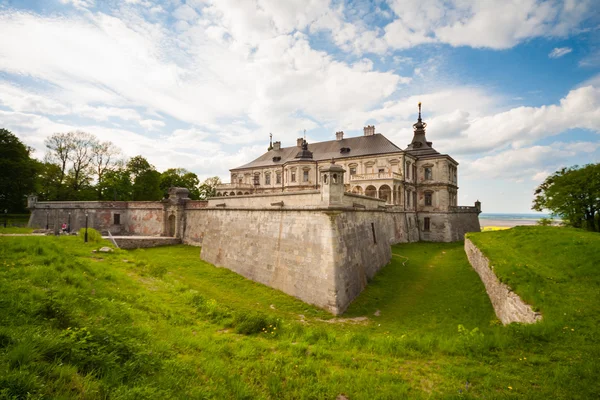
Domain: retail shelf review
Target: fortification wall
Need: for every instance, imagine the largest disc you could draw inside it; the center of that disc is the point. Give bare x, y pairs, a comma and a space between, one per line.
448, 226
323, 257
509, 307
135, 218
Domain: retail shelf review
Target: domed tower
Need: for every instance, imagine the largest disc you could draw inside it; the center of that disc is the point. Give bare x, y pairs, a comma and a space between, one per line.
419, 145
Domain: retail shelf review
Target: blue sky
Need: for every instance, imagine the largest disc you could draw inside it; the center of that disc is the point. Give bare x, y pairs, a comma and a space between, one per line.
510, 89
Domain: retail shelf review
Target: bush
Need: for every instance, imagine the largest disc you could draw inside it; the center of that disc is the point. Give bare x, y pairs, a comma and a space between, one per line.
93, 235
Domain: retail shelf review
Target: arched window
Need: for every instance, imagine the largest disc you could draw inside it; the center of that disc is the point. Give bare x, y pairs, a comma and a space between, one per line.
325, 178
334, 178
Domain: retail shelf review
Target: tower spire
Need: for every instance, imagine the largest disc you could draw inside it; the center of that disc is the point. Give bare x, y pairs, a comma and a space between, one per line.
419, 112
270, 142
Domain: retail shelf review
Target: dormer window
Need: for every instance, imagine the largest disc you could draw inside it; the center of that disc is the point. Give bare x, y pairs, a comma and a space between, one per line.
275, 159
345, 150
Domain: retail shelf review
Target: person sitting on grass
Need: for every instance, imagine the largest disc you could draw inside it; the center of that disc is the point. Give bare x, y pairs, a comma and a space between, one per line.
64, 228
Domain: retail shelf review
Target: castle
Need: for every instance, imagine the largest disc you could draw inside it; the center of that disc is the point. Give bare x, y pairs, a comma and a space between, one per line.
315, 221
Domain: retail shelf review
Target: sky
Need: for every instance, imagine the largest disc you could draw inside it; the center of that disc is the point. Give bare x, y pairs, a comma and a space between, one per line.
510, 88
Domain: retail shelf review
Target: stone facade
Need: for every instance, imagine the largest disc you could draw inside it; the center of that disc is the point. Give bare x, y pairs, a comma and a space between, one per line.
507, 304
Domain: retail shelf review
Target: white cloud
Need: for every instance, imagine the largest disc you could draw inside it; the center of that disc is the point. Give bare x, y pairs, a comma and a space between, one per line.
185, 12
151, 124
558, 52
528, 163
80, 3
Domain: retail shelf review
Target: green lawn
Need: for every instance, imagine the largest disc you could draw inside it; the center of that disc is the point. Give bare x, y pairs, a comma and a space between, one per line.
160, 323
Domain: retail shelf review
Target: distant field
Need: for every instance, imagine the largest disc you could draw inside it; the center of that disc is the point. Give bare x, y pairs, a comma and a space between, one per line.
160, 323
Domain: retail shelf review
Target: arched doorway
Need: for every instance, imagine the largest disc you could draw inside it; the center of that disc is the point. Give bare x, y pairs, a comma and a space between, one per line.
371, 191
171, 230
357, 190
385, 193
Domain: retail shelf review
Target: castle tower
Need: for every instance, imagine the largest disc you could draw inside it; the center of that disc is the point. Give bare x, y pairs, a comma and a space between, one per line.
419, 141
332, 184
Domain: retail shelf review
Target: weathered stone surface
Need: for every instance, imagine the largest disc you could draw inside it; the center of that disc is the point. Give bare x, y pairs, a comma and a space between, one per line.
105, 249
137, 242
507, 304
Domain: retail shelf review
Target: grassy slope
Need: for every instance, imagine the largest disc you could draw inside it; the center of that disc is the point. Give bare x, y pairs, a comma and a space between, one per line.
166, 325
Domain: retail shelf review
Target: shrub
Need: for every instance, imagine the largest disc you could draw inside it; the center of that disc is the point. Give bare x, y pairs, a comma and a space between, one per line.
93, 235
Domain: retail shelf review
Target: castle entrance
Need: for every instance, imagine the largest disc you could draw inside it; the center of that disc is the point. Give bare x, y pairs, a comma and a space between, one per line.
171, 230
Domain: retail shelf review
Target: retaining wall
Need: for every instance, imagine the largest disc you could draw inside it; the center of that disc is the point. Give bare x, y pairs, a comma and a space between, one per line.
509, 307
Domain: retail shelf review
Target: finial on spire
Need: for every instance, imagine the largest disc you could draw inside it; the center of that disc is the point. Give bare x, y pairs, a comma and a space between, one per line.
270, 142
419, 111
305, 134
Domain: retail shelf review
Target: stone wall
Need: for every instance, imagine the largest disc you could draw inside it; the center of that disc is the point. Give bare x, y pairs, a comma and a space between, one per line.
134, 218
448, 226
138, 242
323, 257
507, 304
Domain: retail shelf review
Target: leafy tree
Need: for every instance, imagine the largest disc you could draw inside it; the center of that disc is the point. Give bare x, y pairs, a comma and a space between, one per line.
49, 181
116, 184
208, 187
146, 179
17, 172
180, 177
573, 194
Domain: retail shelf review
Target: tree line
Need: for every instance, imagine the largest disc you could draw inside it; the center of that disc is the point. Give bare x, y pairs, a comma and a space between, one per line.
78, 166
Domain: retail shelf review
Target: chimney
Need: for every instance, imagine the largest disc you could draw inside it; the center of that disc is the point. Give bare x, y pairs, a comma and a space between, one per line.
369, 130
339, 135
277, 146
299, 142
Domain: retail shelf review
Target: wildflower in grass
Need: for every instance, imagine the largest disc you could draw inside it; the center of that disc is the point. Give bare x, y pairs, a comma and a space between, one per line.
510, 387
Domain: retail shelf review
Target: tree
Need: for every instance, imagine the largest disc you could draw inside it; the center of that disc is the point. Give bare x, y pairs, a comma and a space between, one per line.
17, 173
48, 181
146, 179
59, 147
208, 187
573, 194
180, 177
116, 184
104, 159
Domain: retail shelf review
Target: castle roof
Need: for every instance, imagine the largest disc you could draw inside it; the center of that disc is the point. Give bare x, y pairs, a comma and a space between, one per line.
337, 149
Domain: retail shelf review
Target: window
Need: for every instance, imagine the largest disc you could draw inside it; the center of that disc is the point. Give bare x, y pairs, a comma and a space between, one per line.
407, 198
428, 174
414, 172
325, 178
428, 198
352, 171
117, 219
257, 179
305, 176
426, 223
381, 171
414, 201
407, 170
278, 178
334, 178
293, 177
267, 179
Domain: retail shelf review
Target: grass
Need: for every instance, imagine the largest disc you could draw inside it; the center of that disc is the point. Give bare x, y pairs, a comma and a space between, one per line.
15, 229
160, 323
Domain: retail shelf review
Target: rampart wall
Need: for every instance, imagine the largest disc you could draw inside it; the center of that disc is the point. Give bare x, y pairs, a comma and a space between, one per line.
509, 307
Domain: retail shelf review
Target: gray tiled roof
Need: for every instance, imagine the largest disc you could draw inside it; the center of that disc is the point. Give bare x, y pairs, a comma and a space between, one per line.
359, 146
